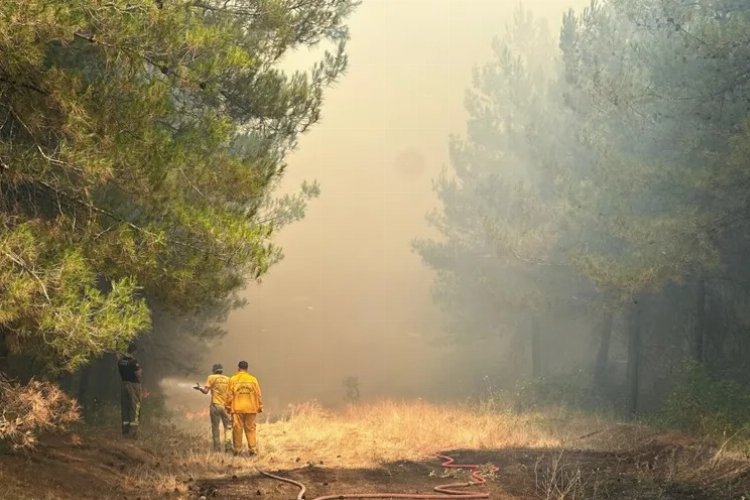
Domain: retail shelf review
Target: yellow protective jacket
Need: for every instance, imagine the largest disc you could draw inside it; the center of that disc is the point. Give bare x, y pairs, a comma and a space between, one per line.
243, 394
218, 384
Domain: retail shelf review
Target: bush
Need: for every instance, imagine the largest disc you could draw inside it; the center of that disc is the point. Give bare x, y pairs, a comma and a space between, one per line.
570, 390
28, 410
705, 405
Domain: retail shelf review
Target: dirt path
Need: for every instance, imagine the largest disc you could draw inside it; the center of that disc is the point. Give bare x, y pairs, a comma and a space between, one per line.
524, 474
399, 477
105, 466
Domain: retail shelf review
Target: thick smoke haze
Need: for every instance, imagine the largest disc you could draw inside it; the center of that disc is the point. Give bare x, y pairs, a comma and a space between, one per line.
518, 229
351, 298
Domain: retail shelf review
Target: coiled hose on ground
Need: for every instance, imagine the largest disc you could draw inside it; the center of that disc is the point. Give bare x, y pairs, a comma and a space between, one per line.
445, 491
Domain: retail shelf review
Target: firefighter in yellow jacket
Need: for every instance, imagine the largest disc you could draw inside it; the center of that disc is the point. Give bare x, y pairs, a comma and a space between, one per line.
218, 383
244, 403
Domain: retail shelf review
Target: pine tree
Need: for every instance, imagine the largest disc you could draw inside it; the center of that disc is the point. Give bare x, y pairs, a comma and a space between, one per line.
659, 89
139, 145
501, 262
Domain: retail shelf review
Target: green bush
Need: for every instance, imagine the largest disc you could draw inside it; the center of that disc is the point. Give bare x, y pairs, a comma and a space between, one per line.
703, 404
571, 390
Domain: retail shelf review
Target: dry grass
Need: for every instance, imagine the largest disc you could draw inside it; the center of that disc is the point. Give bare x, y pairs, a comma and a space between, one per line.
553, 455
370, 434
365, 435
558, 482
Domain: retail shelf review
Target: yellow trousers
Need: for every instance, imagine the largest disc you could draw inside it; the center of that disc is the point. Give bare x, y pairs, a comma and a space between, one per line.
244, 422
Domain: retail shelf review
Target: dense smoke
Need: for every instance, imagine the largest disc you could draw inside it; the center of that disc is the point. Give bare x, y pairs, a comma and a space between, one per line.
351, 298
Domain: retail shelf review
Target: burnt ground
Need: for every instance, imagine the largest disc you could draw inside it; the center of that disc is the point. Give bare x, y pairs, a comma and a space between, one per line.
524, 474
105, 466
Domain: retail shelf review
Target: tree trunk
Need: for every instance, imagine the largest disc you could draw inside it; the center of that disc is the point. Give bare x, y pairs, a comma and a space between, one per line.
697, 347
84, 389
634, 357
3, 352
602, 355
106, 378
536, 350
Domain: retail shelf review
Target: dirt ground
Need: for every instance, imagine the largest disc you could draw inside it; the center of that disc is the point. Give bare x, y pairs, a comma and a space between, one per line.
524, 474
105, 466
71, 466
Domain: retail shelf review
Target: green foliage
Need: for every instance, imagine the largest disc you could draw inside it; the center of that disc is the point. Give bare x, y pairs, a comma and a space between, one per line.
54, 299
571, 390
706, 405
498, 259
611, 172
139, 146
658, 104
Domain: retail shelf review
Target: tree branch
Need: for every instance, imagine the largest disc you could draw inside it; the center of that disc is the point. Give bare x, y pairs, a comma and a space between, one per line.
16, 259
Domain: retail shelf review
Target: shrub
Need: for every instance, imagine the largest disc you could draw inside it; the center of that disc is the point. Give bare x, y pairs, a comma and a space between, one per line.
705, 405
571, 390
28, 410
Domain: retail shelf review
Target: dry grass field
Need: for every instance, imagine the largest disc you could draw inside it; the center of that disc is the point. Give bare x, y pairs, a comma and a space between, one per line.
555, 454
387, 446
371, 434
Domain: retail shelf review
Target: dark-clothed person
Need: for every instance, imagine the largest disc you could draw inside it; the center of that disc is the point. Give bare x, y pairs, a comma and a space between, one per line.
130, 392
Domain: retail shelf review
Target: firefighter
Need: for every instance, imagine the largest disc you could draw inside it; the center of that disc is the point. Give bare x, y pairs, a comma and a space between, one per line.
244, 403
217, 384
130, 392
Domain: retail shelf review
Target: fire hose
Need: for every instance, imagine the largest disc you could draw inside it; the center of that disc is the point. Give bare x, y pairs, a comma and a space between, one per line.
445, 491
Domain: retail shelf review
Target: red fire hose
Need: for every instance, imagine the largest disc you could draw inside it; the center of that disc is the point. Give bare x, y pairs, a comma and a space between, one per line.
446, 490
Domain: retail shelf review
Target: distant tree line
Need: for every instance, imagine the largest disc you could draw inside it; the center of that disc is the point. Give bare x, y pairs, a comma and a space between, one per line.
606, 183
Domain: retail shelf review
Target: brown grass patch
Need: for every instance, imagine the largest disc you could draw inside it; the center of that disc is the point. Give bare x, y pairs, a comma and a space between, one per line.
366, 436
370, 434
557, 454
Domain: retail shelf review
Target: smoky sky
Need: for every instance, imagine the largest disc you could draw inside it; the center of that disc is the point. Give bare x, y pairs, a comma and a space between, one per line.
350, 297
